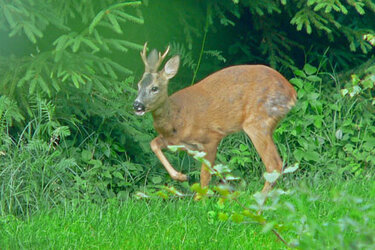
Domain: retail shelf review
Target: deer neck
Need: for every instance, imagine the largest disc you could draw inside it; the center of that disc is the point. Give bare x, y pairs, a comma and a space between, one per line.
163, 116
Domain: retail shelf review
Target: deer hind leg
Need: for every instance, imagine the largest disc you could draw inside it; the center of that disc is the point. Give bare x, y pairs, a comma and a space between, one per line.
157, 145
260, 134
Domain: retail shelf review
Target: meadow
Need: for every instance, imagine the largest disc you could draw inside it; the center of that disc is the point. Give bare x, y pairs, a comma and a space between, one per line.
320, 213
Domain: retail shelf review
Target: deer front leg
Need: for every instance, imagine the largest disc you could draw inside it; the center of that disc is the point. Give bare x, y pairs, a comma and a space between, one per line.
210, 156
157, 145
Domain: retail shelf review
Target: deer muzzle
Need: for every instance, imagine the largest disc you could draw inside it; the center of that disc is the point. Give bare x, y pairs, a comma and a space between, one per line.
139, 108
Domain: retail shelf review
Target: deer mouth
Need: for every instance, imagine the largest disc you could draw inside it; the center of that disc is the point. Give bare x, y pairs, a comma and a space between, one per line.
139, 108
140, 112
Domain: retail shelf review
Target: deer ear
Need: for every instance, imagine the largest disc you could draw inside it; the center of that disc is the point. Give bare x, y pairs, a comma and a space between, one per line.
171, 67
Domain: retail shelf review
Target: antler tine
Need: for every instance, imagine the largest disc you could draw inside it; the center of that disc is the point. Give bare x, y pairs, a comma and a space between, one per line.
162, 57
144, 58
165, 53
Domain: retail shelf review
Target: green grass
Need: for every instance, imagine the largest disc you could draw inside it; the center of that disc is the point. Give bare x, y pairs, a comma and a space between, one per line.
131, 225
318, 207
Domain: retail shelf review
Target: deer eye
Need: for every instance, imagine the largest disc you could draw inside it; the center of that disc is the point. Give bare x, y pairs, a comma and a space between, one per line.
154, 89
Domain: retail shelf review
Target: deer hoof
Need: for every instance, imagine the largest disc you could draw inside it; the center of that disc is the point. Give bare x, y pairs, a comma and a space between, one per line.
181, 177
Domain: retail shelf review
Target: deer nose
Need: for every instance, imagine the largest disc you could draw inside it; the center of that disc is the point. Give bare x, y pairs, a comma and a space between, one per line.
138, 106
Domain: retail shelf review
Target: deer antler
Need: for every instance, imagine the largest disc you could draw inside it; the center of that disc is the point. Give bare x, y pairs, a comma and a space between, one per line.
161, 58
153, 68
144, 58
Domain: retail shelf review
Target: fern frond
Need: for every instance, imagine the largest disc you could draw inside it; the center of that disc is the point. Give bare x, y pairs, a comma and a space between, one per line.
186, 56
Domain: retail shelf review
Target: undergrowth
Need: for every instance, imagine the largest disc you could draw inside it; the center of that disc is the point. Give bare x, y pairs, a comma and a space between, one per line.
53, 159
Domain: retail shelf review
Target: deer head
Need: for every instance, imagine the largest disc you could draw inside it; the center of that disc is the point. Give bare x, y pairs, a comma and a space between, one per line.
153, 87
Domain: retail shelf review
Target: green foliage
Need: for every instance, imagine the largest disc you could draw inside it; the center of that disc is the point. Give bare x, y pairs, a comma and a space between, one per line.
275, 29
72, 66
42, 167
361, 88
186, 56
336, 128
33, 172
78, 58
69, 85
370, 38
9, 112
345, 228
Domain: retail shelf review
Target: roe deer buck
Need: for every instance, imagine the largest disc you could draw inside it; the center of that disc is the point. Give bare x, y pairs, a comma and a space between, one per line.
249, 97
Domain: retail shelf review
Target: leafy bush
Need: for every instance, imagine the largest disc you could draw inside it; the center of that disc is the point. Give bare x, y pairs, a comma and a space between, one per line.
73, 66
68, 96
42, 167
280, 33
33, 170
332, 127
